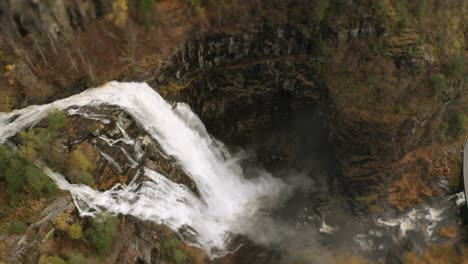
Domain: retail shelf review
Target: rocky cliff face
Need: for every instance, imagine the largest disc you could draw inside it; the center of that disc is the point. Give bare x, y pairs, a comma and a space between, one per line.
49, 20
370, 74
238, 83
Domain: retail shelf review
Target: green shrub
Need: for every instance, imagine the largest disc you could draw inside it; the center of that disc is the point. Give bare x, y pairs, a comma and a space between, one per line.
304, 29
37, 141
51, 260
169, 244
77, 258
120, 12
18, 173
398, 108
456, 67
380, 9
12, 170
42, 138
86, 179
61, 221
193, 3
453, 126
57, 156
15, 179
457, 124
178, 256
56, 120
306, 13
6, 154
79, 166
170, 249
146, 12
6, 102
16, 166
439, 83
317, 49
102, 232
79, 161
17, 227
196, 8
320, 9
443, 130
418, 8
39, 183
75, 231
404, 15
28, 151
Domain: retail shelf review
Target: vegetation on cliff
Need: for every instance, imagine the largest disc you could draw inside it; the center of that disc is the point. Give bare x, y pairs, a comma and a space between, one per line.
102, 232
393, 68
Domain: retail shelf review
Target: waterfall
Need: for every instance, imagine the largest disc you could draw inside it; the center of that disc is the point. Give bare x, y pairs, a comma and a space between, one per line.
225, 200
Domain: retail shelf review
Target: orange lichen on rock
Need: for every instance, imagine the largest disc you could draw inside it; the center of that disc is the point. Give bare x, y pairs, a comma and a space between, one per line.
440, 167
448, 232
415, 183
196, 255
173, 89
351, 259
2, 252
436, 255
449, 164
110, 181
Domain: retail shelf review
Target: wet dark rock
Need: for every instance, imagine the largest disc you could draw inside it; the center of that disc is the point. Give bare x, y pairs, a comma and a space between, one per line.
125, 149
52, 20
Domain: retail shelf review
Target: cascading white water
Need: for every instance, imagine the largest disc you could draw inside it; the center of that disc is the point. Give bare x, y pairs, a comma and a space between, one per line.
226, 197
226, 200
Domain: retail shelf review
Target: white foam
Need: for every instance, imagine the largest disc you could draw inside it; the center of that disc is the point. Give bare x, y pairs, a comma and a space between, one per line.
226, 197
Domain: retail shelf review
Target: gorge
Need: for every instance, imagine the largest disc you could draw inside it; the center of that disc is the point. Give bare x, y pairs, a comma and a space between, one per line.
224, 203
234, 132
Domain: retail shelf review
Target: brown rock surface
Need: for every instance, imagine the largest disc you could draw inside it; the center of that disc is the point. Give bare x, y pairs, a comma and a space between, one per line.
448, 232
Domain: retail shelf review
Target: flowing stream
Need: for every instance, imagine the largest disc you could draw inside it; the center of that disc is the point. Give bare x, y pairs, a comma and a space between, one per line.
227, 202
225, 196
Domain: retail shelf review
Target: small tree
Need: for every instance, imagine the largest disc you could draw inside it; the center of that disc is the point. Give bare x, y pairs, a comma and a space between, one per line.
15, 178
6, 155
439, 83
79, 165
75, 231
170, 248
28, 151
146, 12
17, 227
39, 183
27, 148
79, 161
37, 141
51, 260
120, 11
77, 258
56, 120
87, 179
5, 102
61, 221
102, 232
456, 67
320, 9
418, 8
